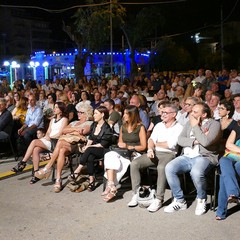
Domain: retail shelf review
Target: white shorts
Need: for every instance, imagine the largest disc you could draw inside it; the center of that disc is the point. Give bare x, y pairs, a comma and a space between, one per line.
47, 143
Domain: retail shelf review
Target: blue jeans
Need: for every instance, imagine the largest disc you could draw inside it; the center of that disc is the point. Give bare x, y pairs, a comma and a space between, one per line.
228, 184
198, 167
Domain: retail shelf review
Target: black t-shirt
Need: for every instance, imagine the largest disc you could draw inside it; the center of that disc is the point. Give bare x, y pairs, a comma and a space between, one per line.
237, 130
71, 108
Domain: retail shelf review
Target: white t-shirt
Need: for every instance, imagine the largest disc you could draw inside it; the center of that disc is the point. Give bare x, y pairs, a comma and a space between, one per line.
170, 135
235, 86
236, 116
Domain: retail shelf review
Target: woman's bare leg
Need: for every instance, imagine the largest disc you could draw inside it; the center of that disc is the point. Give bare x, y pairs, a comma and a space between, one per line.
60, 144
35, 143
36, 157
61, 160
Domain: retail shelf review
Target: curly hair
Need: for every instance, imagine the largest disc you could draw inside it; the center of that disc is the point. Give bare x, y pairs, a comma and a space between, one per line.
86, 107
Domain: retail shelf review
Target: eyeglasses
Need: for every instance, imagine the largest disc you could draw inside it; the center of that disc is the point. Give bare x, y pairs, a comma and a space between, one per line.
81, 112
166, 113
221, 108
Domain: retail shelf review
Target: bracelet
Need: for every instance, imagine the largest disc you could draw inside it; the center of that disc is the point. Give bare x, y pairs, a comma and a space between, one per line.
149, 150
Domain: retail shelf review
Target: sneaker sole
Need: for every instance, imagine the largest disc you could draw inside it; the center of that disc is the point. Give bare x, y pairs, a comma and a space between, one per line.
181, 209
132, 206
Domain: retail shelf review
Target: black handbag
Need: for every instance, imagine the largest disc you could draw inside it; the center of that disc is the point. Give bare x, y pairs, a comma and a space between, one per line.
124, 152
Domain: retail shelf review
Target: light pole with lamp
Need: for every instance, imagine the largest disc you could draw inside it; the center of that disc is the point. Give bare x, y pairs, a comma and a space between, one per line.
34, 65
45, 65
15, 66
7, 64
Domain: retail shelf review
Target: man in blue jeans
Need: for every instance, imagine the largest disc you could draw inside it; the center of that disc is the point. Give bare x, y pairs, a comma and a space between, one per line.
199, 140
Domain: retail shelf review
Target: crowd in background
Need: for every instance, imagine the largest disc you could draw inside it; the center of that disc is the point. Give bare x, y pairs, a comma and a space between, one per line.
32, 105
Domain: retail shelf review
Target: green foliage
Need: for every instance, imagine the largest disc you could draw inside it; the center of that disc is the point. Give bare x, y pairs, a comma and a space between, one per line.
170, 56
93, 23
143, 25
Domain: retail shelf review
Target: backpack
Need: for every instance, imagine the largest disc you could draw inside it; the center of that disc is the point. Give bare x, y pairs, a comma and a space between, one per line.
145, 196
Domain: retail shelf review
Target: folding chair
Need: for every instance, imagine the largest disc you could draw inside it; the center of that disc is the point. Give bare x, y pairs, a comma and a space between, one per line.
7, 141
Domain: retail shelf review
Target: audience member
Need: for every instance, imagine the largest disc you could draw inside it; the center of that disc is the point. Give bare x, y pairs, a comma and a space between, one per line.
56, 126
199, 140
234, 82
132, 137
64, 146
229, 191
6, 120
162, 148
33, 121
135, 101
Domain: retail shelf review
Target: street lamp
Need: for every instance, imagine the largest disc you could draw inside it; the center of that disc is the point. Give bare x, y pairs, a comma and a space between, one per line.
7, 64
45, 65
34, 65
14, 65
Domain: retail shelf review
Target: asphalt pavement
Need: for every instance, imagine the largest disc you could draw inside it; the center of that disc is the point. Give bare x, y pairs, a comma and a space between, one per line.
36, 212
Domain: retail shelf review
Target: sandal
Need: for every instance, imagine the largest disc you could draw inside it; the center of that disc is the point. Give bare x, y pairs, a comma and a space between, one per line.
58, 185
19, 167
73, 176
34, 180
43, 173
219, 218
111, 194
233, 199
91, 186
106, 191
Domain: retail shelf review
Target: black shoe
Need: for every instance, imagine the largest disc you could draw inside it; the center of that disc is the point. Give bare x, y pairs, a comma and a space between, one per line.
19, 167
34, 180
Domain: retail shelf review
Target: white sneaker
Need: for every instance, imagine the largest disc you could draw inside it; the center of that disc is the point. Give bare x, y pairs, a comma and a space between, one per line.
201, 207
175, 206
133, 202
155, 205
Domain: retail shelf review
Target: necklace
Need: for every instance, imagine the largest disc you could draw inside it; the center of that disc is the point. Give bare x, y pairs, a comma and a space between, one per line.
57, 120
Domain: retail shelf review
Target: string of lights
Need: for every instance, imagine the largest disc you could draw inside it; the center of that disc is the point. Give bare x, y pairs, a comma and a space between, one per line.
90, 5
124, 3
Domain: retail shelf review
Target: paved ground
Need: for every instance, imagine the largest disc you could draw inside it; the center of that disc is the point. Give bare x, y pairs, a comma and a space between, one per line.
36, 212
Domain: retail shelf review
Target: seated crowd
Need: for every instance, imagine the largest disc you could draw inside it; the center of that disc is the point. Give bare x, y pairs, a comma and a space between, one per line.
183, 128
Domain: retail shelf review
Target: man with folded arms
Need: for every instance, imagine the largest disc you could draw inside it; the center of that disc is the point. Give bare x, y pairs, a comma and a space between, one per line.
199, 139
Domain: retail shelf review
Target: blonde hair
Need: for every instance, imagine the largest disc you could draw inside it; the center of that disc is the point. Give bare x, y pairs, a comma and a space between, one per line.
87, 108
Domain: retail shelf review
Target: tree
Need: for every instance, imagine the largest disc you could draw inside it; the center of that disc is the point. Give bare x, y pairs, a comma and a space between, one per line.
170, 57
138, 27
90, 29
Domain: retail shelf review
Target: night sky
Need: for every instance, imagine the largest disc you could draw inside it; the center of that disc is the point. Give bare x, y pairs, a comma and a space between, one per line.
180, 17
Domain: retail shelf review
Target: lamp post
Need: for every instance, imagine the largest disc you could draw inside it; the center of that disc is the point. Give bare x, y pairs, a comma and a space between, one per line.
45, 65
34, 65
7, 64
15, 66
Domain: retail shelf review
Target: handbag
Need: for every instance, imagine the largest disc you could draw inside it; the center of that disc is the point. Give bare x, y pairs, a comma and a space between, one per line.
124, 152
145, 196
234, 155
73, 138
231, 154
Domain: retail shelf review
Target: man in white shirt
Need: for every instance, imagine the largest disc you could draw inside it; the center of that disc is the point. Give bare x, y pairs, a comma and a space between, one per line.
214, 104
234, 82
200, 76
158, 97
47, 86
162, 148
188, 105
236, 103
57, 85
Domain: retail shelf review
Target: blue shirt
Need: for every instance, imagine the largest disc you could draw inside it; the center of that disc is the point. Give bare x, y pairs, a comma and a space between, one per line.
144, 118
34, 117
